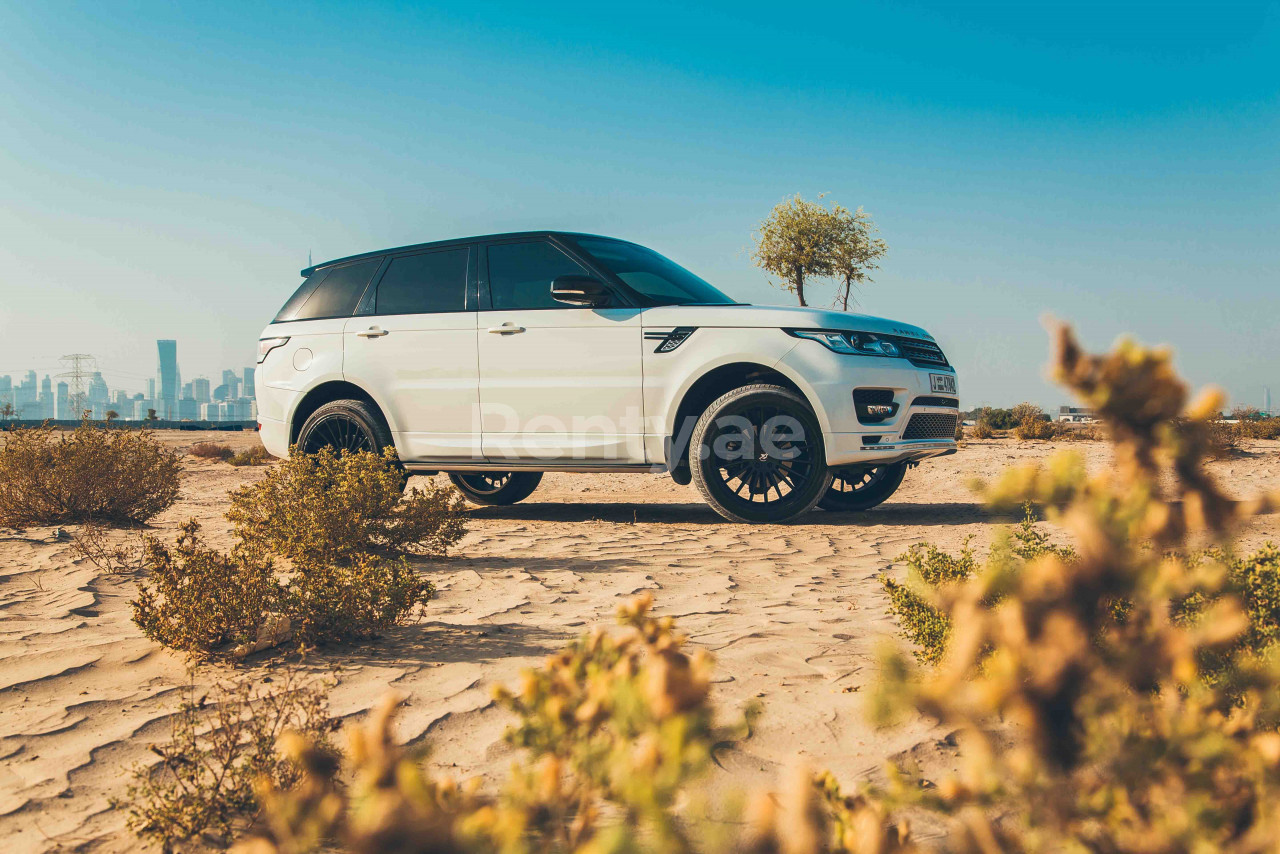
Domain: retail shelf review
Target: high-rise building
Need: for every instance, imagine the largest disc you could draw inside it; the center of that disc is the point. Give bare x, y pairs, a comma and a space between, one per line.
62, 403
200, 390
46, 401
232, 382
1266, 400
167, 381
249, 389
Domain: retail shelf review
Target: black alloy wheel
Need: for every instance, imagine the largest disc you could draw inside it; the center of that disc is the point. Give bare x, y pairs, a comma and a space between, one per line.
757, 455
862, 487
496, 487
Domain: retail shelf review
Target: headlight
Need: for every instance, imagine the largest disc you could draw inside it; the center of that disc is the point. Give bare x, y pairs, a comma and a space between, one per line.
266, 345
853, 343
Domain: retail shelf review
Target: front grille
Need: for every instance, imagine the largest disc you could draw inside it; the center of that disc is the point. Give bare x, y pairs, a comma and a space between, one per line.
936, 401
930, 425
921, 353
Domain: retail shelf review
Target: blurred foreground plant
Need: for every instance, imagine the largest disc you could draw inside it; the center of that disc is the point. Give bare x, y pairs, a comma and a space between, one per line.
222, 744
1118, 743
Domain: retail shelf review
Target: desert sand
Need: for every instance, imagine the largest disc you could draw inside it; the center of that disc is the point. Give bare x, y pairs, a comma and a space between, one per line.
793, 615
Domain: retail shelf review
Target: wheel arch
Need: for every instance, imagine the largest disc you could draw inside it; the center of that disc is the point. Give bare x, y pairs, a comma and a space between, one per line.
715, 382
327, 392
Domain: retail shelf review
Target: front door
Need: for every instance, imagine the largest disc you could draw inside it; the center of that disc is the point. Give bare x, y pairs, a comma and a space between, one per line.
558, 383
414, 348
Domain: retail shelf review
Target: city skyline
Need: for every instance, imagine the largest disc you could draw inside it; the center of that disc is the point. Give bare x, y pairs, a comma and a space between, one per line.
82, 387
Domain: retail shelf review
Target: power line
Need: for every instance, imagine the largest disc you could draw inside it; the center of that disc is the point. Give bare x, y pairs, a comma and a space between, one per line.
80, 369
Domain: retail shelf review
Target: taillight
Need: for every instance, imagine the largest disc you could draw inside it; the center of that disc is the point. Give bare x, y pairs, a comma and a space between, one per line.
266, 345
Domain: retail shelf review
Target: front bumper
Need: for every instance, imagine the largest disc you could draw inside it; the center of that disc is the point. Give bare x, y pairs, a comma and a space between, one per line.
832, 378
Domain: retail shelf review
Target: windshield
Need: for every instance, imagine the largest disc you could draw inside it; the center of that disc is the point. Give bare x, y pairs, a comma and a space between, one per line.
660, 279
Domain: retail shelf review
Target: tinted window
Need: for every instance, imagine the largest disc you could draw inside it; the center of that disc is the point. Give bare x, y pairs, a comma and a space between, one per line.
657, 277
341, 289
419, 284
520, 274
300, 296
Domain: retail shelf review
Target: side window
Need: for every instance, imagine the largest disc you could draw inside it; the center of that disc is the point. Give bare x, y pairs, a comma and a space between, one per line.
301, 295
520, 274
338, 294
421, 284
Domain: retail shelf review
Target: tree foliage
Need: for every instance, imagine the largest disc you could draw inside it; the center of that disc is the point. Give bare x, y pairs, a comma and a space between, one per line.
801, 241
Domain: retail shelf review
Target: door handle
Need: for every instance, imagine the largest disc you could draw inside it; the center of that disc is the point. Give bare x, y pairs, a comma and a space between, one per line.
372, 332
507, 328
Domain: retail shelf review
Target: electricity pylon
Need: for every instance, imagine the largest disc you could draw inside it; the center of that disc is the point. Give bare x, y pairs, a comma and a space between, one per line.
80, 368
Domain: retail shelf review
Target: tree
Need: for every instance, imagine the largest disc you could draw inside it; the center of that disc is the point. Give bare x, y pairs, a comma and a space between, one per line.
796, 243
803, 240
112, 415
151, 415
7, 410
855, 252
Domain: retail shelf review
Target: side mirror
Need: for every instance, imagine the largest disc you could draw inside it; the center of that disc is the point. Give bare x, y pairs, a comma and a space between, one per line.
580, 291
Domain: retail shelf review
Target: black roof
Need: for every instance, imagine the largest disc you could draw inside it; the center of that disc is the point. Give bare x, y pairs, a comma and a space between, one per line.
454, 241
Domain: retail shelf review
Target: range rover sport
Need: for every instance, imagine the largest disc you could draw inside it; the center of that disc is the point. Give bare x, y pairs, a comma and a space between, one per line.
498, 358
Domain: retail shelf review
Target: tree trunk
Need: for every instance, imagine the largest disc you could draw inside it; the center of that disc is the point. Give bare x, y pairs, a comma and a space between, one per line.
800, 288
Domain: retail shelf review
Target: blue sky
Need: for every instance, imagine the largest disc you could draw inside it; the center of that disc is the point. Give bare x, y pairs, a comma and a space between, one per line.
165, 168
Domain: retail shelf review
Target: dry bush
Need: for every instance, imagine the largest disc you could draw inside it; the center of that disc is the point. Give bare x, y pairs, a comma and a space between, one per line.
94, 544
982, 429
929, 569
358, 600
255, 456
1119, 742
206, 603
200, 601
1026, 411
1223, 439
617, 732
211, 451
222, 746
327, 507
91, 474
1258, 428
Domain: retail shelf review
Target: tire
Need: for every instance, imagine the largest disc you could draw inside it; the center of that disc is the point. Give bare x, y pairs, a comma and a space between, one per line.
350, 425
495, 488
726, 449
861, 487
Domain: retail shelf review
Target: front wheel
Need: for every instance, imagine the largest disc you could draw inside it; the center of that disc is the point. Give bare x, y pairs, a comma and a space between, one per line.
496, 487
862, 487
757, 455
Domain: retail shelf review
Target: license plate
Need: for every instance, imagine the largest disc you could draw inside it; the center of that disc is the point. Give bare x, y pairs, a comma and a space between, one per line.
942, 382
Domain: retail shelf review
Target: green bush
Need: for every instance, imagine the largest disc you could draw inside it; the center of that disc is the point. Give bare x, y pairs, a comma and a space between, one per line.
915, 604
222, 747
206, 603
200, 601
91, 474
327, 507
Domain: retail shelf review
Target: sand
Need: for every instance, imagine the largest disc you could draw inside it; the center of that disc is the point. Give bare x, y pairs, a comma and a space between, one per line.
793, 615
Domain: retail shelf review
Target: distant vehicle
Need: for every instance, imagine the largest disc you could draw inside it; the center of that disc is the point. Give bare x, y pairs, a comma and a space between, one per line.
498, 358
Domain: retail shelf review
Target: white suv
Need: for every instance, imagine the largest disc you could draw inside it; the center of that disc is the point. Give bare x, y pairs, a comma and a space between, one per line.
498, 358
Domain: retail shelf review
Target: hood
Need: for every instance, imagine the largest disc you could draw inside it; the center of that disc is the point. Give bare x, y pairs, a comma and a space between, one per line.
775, 317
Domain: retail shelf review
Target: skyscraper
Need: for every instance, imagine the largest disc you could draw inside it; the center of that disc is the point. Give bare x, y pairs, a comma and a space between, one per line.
200, 390
248, 390
1266, 400
167, 378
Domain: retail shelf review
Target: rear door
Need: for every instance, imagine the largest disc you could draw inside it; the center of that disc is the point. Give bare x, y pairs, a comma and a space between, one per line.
412, 346
558, 383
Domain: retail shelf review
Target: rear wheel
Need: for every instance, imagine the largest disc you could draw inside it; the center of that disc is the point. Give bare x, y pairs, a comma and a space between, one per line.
347, 425
862, 487
496, 487
757, 455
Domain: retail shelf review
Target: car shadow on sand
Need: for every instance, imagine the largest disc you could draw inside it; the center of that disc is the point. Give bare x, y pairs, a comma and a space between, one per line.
892, 513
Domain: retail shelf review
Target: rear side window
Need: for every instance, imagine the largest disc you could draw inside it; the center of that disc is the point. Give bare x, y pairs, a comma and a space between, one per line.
335, 294
520, 274
422, 284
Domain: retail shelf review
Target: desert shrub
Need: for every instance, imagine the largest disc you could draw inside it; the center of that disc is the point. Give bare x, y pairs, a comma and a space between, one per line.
929, 569
199, 600
1026, 411
353, 601
93, 543
255, 456
1034, 428
1223, 439
211, 451
329, 507
959, 430
1120, 742
982, 429
90, 474
222, 746
1258, 428
206, 603
617, 732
